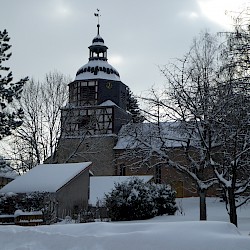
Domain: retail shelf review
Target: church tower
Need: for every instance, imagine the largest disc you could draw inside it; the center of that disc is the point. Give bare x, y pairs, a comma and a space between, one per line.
96, 110
97, 97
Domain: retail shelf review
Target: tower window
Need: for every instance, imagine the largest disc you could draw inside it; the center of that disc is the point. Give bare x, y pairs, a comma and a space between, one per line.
83, 93
87, 93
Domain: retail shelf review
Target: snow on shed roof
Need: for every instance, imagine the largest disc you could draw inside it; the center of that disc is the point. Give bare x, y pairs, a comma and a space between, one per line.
101, 185
45, 178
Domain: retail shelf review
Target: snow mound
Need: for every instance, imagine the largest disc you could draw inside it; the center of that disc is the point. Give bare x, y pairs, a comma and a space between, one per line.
127, 235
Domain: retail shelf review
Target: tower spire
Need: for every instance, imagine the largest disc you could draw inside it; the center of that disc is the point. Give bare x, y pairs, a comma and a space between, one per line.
98, 21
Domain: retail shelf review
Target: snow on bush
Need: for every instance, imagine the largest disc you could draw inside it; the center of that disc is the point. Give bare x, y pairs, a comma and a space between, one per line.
34, 201
164, 199
135, 200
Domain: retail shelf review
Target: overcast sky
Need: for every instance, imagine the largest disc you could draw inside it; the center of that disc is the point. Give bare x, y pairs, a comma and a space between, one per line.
49, 35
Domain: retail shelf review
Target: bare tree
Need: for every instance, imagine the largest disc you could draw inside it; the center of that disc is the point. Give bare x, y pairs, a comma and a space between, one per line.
232, 169
232, 166
204, 111
37, 138
181, 116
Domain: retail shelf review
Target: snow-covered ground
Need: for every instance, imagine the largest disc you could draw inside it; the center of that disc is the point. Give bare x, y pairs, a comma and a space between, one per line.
180, 232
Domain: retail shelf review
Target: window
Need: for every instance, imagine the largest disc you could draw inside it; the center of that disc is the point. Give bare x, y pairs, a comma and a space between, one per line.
85, 121
83, 93
87, 93
122, 170
158, 174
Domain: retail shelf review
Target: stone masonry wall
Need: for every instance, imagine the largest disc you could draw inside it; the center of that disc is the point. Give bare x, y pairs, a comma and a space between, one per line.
97, 149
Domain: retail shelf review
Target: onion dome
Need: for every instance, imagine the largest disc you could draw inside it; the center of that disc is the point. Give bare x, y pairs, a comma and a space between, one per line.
98, 40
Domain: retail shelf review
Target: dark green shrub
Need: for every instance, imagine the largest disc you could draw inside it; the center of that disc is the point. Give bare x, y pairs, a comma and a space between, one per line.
136, 200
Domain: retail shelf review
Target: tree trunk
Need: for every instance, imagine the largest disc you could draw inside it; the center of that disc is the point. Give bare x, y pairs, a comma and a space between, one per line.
232, 207
203, 205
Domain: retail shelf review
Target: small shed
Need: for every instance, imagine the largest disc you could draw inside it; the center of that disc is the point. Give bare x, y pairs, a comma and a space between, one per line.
28, 218
67, 183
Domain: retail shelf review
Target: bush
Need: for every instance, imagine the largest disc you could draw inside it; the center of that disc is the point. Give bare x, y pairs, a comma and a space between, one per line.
35, 201
136, 200
8, 203
164, 199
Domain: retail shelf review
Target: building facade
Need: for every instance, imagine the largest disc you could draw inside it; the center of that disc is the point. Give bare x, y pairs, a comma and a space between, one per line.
96, 111
92, 119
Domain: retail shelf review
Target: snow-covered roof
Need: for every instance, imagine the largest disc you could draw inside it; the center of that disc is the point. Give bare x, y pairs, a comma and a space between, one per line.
150, 133
98, 40
108, 103
7, 172
101, 185
97, 69
45, 178
20, 212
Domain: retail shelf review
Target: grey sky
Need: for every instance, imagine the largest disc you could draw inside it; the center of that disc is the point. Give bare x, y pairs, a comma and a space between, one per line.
49, 35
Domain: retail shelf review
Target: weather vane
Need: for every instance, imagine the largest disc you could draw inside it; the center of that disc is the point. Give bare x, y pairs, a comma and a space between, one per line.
98, 16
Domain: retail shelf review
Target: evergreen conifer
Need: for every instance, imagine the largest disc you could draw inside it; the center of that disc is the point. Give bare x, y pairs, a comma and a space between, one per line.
10, 115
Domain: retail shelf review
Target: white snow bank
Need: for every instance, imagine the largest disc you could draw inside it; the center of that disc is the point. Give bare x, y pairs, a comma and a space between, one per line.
127, 235
180, 232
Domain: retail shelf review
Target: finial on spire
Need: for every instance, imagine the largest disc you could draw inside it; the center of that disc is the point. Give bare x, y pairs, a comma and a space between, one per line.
98, 24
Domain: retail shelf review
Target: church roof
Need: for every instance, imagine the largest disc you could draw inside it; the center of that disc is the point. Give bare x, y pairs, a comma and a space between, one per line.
108, 103
45, 178
98, 40
97, 69
170, 132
